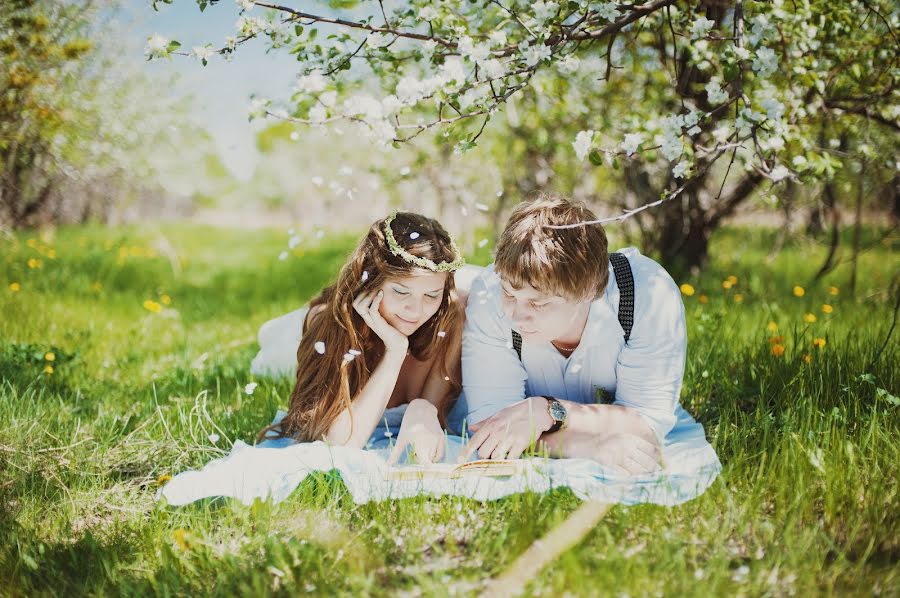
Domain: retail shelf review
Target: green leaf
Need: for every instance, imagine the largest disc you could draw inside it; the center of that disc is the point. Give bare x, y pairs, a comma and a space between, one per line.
298, 30
596, 158
731, 71
881, 393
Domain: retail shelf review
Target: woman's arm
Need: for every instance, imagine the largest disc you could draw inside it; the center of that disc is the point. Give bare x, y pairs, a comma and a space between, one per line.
368, 404
354, 429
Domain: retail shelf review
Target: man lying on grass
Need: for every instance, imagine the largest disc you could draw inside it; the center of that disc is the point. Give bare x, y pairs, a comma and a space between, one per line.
556, 325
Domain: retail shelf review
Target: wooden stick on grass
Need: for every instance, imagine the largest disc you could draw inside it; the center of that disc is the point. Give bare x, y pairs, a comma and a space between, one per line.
544, 550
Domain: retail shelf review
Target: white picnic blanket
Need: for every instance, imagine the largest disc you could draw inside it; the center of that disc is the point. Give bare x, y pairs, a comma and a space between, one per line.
273, 469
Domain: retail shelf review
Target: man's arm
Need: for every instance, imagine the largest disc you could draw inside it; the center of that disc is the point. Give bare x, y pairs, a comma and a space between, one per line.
493, 376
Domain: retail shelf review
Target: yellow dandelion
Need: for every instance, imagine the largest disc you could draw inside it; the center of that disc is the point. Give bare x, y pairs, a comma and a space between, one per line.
152, 306
771, 326
777, 350
827, 309
687, 290
732, 279
163, 479
807, 358
31, 243
15, 287
833, 291
48, 369
819, 343
166, 300
180, 536
727, 284
49, 356
809, 318
776, 340
703, 299
51, 254
34, 263
799, 291
738, 298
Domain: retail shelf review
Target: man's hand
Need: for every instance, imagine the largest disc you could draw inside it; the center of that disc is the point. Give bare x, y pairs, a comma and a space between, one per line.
421, 429
509, 432
624, 453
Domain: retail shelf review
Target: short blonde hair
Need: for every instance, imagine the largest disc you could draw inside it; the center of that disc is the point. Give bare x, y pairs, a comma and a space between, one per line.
566, 262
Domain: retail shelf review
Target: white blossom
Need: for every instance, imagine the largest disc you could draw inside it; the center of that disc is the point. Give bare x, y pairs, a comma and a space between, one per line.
693, 130
569, 64
493, 68
244, 4
258, 107
474, 52
608, 11
312, 82
714, 92
760, 30
779, 173
328, 98
544, 11
364, 106
317, 181
774, 109
766, 62
498, 38
473, 96
428, 48
631, 142
157, 46
428, 13
582, 144
319, 346
249, 388
536, 53
378, 40
700, 27
203, 53
722, 133
249, 26
681, 169
214, 438
451, 74
293, 241
283, 256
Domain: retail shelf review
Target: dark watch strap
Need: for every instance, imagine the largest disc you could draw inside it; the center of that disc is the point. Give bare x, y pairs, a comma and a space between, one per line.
557, 424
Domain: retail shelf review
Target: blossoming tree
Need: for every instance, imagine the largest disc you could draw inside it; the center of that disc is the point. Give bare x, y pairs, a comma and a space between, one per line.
698, 104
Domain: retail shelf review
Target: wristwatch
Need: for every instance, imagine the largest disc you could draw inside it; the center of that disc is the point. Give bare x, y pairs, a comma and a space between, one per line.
557, 413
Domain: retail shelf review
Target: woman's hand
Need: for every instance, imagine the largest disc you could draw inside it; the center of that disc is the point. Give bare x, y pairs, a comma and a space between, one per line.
366, 305
421, 429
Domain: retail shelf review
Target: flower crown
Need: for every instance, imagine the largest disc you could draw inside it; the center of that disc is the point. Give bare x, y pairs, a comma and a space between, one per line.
422, 262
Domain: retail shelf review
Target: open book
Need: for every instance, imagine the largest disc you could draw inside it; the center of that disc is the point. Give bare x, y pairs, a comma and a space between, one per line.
447, 471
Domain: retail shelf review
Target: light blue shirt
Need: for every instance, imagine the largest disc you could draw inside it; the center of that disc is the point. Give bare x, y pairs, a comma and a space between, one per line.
645, 374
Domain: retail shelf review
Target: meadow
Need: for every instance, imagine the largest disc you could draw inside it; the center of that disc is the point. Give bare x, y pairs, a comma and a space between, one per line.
124, 357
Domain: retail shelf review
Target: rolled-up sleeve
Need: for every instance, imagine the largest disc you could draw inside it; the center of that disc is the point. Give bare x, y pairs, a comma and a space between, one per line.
650, 367
493, 376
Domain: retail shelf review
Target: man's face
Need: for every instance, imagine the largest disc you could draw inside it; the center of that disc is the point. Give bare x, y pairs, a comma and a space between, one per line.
536, 315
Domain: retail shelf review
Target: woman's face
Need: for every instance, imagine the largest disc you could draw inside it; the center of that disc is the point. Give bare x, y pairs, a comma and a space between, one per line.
411, 300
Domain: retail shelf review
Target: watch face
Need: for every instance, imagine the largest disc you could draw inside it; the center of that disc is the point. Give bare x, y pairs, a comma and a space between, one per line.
557, 411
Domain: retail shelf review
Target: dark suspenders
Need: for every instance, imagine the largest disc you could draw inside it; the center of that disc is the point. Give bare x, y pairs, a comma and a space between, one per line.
625, 281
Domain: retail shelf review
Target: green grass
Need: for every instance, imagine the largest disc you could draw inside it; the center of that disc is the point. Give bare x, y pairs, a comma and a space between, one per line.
807, 501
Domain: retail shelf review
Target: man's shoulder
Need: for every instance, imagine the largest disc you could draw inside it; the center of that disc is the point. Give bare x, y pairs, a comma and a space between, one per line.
483, 307
654, 288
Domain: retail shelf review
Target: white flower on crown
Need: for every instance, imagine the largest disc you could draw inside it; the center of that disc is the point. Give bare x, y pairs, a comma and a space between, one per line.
493, 68
544, 11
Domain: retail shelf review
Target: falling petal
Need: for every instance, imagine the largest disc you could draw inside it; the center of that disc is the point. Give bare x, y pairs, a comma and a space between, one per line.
320, 347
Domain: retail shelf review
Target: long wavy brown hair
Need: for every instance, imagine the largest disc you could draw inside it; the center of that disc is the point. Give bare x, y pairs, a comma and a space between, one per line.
326, 383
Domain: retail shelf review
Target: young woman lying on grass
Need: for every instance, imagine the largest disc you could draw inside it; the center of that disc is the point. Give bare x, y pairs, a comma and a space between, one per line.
387, 333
